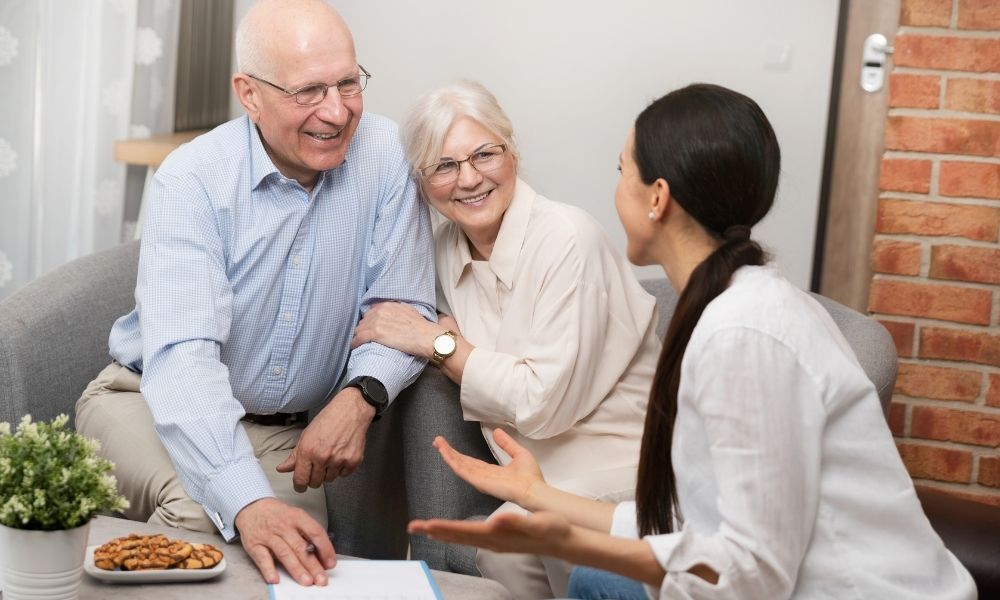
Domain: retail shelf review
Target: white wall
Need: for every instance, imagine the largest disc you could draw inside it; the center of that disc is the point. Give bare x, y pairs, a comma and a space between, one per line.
573, 74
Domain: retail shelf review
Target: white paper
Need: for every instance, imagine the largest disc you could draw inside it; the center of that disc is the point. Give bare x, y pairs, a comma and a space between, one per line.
364, 580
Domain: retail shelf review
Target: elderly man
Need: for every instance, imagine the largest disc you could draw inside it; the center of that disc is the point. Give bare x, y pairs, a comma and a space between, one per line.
266, 240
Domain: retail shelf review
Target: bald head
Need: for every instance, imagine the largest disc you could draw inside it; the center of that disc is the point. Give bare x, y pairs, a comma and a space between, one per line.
276, 31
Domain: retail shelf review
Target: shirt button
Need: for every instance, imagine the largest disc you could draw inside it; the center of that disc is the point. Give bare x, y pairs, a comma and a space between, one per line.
287, 316
276, 371
296, 260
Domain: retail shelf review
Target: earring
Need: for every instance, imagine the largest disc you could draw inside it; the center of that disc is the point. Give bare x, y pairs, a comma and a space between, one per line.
652, 216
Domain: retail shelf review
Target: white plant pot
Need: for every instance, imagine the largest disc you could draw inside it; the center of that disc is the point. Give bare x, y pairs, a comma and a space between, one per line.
42, 565
3, 557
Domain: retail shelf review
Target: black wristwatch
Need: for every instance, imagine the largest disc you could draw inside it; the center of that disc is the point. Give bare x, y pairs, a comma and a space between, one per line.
372, 391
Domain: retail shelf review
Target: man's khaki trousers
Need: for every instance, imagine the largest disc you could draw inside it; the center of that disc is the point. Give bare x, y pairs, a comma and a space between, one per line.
113, 411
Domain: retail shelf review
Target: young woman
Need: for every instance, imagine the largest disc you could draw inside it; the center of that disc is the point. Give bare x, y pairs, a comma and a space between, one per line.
766, 468
548, 333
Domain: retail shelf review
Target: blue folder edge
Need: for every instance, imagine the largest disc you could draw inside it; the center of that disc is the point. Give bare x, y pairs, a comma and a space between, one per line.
423, 565
433, 582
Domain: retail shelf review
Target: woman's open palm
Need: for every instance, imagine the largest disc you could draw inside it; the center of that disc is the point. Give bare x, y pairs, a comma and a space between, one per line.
539, 533
514, 482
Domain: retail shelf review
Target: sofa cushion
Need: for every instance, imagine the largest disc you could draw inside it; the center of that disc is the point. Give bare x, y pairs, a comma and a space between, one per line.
54, 332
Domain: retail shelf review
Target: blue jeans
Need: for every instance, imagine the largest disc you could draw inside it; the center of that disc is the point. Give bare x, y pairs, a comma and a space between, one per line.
593, 584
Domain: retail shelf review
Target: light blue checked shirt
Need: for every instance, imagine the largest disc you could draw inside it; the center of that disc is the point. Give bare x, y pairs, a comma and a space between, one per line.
250, 288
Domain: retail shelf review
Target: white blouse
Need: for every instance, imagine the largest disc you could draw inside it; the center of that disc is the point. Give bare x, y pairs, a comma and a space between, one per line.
565, 342
789, 483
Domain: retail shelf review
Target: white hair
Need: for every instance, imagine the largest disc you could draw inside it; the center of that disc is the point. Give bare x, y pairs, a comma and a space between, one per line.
429, 120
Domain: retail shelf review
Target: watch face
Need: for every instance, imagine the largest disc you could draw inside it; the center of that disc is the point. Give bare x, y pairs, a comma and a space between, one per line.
373, 392
444, 344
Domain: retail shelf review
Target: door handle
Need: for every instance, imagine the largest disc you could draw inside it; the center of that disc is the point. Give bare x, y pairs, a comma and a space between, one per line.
873, 59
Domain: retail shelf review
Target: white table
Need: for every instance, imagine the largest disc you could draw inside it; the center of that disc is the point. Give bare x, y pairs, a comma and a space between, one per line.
241, 580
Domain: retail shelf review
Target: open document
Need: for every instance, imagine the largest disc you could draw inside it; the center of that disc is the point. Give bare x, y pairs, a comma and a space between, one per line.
364, 580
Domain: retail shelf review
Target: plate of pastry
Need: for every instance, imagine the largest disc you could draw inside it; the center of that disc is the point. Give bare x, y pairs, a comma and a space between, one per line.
138, 558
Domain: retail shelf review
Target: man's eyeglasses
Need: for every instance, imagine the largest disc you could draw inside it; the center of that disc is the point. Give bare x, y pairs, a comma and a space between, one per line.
314, 93
487, 158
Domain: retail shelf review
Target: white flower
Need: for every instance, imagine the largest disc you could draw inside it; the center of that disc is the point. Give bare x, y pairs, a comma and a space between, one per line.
8, 159
58, 482
148, 46
138, 131
87, 505
6, 274
115, 97
107, 197
8, 46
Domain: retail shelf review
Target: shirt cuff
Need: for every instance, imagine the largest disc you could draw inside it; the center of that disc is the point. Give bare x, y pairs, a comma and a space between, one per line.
394, 369
623, 521
481, 393
232, 489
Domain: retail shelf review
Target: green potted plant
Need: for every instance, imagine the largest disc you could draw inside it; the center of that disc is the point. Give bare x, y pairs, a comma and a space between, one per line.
52, 483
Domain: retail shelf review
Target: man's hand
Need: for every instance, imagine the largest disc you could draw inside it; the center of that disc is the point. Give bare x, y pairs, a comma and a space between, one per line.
270, 529
333, 444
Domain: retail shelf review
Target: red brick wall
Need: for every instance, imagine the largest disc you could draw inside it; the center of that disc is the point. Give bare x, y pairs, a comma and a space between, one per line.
936, 253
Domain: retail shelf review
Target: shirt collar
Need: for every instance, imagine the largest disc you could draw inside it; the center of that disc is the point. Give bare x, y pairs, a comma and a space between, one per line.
260, 163
510, 239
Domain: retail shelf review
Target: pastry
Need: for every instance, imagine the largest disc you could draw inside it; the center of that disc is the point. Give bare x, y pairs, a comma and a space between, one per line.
136, 552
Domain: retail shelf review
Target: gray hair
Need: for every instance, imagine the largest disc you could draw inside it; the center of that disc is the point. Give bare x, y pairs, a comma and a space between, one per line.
432, 116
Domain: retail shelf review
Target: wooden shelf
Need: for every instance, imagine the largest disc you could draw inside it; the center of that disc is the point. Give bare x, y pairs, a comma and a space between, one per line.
151, 151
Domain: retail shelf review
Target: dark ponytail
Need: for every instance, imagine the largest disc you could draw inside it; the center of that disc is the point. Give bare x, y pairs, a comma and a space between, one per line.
719, 155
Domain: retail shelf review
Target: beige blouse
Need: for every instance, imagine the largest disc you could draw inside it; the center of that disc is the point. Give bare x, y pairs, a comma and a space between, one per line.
565, 342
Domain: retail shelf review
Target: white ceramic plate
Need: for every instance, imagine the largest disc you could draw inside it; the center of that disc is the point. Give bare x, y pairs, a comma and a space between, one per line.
150, 575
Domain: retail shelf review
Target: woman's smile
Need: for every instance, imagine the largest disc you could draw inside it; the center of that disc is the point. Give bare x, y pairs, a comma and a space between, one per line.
475, 201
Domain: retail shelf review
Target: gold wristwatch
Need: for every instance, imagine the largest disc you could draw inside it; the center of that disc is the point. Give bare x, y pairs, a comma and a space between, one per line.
444, 346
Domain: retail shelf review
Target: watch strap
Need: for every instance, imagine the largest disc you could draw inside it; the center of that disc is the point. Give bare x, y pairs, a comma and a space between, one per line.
373, 392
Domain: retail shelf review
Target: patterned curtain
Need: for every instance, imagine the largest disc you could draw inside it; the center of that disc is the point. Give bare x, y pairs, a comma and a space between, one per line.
75, 77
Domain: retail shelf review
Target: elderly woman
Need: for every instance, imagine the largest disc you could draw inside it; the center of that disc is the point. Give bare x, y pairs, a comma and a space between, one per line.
545, 327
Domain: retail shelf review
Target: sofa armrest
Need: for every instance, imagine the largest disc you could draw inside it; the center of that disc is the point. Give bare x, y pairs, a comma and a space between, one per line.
971, 530
54, 332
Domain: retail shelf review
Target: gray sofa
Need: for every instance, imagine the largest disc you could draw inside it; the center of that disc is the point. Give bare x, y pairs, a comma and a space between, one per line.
54, 332
53, 341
